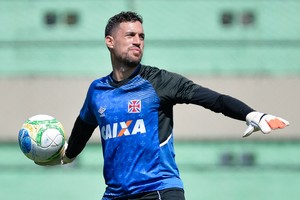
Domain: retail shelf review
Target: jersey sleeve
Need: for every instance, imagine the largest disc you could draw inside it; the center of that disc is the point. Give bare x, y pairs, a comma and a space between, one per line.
170, 87
80, 135
86, 112
83, 128
174, 88
220, 103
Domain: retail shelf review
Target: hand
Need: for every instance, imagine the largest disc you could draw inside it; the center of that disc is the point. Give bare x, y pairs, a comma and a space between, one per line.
264, 122
61, 159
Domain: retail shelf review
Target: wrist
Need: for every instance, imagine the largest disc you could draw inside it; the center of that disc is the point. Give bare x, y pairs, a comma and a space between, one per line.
65, 159
254, 115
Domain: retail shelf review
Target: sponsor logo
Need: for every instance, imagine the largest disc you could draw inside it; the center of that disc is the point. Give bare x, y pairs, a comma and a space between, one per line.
121, 129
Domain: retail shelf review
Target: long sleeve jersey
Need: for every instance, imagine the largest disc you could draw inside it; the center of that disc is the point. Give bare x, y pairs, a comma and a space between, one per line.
135, 118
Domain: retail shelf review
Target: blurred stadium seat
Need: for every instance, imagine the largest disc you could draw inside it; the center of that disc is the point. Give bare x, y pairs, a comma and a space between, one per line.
191, 37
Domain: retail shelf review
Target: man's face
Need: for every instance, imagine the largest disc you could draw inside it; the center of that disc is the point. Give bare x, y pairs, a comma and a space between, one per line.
127, 43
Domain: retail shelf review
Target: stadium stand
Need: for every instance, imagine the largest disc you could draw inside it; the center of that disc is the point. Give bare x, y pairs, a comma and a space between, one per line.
191, 37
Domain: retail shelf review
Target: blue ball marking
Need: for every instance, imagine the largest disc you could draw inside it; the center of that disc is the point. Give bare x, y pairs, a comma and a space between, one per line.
24, 141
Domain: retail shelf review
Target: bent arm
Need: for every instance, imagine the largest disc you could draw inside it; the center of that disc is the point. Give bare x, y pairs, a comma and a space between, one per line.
80, 135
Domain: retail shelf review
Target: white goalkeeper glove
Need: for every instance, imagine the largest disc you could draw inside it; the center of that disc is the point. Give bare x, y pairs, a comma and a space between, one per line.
61, 159
264, 122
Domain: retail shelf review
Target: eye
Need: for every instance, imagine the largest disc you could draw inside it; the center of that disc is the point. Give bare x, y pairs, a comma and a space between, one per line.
130, 34
142, 36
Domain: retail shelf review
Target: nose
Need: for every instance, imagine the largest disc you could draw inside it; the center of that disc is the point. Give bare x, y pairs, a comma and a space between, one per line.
137, 40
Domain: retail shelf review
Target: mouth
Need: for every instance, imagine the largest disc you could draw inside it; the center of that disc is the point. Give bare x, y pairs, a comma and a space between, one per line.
137, 49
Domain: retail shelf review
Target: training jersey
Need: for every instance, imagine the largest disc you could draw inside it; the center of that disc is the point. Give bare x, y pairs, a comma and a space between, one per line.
135, 119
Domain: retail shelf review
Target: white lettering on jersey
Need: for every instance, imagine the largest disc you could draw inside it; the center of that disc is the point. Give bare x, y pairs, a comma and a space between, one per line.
139, 127
120, 129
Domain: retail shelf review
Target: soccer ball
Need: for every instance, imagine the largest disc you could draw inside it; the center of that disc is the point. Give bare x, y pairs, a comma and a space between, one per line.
41, 138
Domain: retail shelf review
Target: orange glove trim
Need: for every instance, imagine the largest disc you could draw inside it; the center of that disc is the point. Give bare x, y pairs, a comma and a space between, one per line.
276, 123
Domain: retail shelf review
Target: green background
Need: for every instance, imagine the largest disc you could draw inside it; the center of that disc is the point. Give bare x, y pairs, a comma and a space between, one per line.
274, 173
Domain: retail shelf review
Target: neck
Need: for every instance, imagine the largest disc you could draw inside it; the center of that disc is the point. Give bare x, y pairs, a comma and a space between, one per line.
122, 72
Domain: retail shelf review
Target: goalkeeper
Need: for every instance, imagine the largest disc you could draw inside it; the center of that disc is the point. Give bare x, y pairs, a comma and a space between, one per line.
133, 107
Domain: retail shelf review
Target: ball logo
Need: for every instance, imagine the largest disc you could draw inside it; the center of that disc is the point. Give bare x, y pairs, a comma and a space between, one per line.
134, 106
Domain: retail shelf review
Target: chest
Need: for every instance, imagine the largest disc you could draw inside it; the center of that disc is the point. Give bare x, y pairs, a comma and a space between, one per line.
131, 102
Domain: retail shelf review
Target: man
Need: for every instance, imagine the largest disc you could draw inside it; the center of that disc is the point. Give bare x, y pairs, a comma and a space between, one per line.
133, 107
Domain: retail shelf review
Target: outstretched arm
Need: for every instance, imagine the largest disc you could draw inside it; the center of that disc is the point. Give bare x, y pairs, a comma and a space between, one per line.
227, 105
236, 109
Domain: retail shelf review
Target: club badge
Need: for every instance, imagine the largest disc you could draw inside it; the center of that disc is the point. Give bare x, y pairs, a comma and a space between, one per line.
134, 106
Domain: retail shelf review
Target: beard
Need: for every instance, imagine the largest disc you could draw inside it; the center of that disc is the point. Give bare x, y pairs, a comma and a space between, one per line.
132, 61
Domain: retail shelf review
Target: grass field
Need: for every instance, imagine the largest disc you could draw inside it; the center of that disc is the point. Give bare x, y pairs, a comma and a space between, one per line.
213, 170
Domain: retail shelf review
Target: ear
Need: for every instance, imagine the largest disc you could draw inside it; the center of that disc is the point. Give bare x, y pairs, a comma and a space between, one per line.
109, 40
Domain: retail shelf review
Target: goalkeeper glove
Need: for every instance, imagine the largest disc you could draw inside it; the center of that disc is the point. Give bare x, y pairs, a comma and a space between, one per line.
61, 159
264, 122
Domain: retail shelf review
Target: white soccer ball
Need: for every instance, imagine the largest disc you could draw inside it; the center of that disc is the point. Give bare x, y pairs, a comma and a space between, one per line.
41, 138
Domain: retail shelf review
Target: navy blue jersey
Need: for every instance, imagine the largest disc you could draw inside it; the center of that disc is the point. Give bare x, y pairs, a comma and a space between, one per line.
135, 118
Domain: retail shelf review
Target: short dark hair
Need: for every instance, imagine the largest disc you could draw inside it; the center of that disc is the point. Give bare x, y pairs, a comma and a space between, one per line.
119, 18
